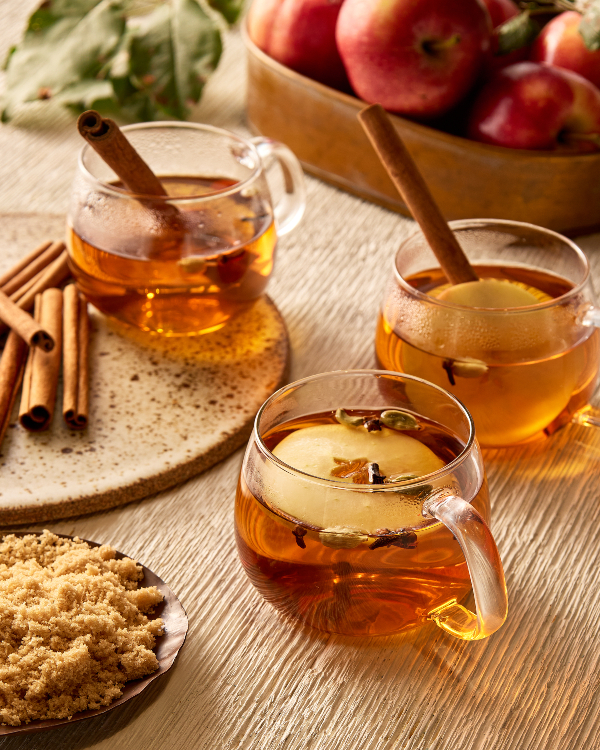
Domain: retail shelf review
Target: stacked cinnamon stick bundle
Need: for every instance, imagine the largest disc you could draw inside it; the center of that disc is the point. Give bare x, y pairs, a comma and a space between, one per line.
59, 322
56, 332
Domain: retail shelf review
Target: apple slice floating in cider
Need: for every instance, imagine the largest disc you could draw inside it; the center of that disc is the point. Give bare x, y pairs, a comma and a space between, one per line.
491, 339
492, 294
313, 450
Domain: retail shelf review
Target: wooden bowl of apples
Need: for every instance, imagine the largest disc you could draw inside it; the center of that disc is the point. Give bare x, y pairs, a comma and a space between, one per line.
552, 176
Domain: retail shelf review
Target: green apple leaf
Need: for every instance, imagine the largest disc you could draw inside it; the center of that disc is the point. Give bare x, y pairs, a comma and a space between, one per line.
171, 53
229, 9
589, 28
517, 32
130, 59
86, 93
66, 42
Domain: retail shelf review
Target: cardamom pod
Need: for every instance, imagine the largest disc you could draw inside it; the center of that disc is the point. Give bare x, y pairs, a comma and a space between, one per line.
344, 418
399, 420
192, 264
401, 477
421, 491
468, 368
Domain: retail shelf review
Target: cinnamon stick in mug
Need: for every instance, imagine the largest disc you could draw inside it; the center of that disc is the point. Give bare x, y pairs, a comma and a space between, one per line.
41, 372
105, 137
12, 363
75, 358
409, 182
107, 140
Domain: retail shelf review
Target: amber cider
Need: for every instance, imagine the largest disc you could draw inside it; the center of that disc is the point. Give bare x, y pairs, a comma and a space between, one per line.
385, 584
201, 267
519, 391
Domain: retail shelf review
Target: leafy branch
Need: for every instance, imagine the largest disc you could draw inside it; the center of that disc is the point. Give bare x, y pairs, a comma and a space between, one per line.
133, 59
521, 30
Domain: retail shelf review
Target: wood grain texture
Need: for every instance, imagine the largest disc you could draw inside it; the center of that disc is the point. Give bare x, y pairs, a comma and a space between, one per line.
248, 680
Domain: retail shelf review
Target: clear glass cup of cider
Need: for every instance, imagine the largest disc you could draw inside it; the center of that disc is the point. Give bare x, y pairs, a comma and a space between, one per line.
362, 508
186, 263
520, 347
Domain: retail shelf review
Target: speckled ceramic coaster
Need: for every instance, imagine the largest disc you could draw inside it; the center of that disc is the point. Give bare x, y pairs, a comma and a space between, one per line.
161, 410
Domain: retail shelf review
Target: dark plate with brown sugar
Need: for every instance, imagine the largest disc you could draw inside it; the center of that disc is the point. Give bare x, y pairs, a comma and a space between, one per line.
166, 649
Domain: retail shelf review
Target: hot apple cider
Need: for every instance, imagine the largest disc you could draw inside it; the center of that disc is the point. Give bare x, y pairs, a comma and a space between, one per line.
359, 563
506, 346
181, 271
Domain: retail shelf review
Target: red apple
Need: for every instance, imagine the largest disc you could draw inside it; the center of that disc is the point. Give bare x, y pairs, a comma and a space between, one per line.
501, 10
301, 35
560, 44
415, 58
535, 106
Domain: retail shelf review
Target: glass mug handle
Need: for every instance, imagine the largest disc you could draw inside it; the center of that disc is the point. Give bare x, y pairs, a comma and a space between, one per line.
483, 563
290, 207
589, 415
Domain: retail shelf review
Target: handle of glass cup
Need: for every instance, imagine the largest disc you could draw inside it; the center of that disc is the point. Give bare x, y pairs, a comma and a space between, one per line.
589, 415
290, 207
484, 565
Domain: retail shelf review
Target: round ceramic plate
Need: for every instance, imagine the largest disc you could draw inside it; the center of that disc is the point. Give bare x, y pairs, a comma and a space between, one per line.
166, 650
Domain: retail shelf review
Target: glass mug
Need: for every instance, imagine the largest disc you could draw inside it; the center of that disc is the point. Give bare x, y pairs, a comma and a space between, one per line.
348, 555
522, 372
187, 263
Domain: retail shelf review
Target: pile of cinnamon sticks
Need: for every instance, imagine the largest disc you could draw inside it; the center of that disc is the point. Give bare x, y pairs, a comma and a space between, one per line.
37, 344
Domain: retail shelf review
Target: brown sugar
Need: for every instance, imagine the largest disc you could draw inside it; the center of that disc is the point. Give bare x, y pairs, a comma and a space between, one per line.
72, 627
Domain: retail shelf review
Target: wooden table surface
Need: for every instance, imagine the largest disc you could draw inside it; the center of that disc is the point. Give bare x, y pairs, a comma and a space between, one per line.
247, 678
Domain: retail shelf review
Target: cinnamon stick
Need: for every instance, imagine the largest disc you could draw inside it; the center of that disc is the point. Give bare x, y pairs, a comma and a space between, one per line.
75, 358
52, 276
41, 371
32, 269
409, 182
22, 323
24, 262
12, 363
22, 291
105, 137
